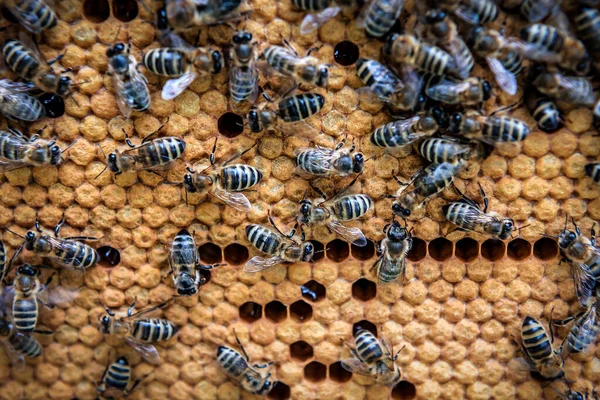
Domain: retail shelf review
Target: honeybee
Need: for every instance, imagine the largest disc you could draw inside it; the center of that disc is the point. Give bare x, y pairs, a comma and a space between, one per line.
286, 61
243, 73
423, 56
16, 104
185, 264
139, 332
424, 184
488, 129
468, 216
441, 149
475, 12
282, 248
372, 358
33, 15
470, 92
593, 171
544, 110
18, 151
117, 376
587, 27
570, 89
166, 35
320, 161
392, 252
184, 14
381, 15
328, 9
18, 345
183, 64
237, 367
151, 155
26, 287
537, 10
537, 350
585, 330
130, 84
404, 132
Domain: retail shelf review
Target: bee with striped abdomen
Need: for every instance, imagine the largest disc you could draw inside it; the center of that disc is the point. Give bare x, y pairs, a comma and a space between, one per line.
392, 252
587, 27
25, 309
117, 376
307, 70
593, 171
16, 104
381, 15
320, 161
34, 15
243, 72
280, 247
18, 151
470, 92
585, 329
488, 129
327, 10
19, 345
185, 264
536, 347
444, 149
537, 10
405, 132
183, 65
129, 83
139, 332
371, 358
237, 367
185, 14
570, 89
544, 110
407, 49
475, 12
224, 181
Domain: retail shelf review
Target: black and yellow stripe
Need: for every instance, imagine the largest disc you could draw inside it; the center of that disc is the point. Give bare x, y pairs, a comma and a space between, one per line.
368, 348
587, 26
486, 10
118, 374
25, 313
463, 215
26, 345
585, 330
439, 150
434, 60
153, 330
504, 129
511, 60
378, 77
543, 36
20, 59
231, 361
160, 151
166, 62
536, 341
311, 5
239, 177
11, 147
43, 12
544, 110
263, 239
281, 59
301, 106
76, 255
593, 171
436, 177
351, 207
242, 84
381, 16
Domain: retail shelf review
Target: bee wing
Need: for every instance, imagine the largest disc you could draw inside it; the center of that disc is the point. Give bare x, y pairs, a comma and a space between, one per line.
147, 351
257, 263
14, 87
26, 17
16, 359
446, 90
320, 158
250, 76
356, 366
506, 79
235, 200
174, 87
16, 105
312, 22
539, 9
59, 296
389, 265
462, 63
139, 84
64, 246
466, 14
401, 140
584, 281
352, 235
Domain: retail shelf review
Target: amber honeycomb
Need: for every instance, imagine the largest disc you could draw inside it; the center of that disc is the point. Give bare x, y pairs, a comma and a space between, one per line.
457, 315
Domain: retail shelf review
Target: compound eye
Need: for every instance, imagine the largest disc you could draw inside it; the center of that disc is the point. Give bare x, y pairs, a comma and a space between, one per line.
237, 39
112, 157
55, 150
572, 236
30, 235
247, 36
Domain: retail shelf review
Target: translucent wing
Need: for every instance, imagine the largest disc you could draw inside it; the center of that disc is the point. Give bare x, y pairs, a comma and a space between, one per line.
538, 10
138, 85
466, 14
584, 281
12, 87
351, 235
235, 200
463, 65
589, 327
143, 163
403, 126
506, 79
146, 350
247, 79
312, 22
257, 263
16, 359
21, 106
64, 247
356, 366
446, 91
391, 267
27, 18
318, 160
59, 296
174, 87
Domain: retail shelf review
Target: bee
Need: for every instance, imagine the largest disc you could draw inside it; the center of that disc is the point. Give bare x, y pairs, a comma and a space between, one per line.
282, 248
223, 180
184, 14
381, 15
19, 345
130, 84
474, 12
18, 151
593, 171
424, 184
537, 350
537, 10
470, 92
468, 216
237, 367
573, 395
166, 35
139, 332
291, 109
185, 264
444, 149
243, 73
28, 64
545, 43
34, 15
570, 89
117, 376
183, 64
151, 155
25, 302
328, 9
423, 56
372, 358
488, 129
587, 27
544, 110
585, 330
306, 70
16, 104
392, 252
404, 132
320, 161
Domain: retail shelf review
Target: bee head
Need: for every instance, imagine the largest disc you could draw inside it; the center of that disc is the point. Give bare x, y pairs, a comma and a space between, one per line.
565, 238
217, 61
487, 90
397, 209
188, 183
162, 23
113, 162
535, 70
396, 232
476, 33
55, 155
254, 121
585, 65
120, 63
387, 46
30, 238
122, 361
28, 270
508, 225
305, 210
359, 163
308, 250
242, 37
118, 48
64, 85
186, 285
455, 123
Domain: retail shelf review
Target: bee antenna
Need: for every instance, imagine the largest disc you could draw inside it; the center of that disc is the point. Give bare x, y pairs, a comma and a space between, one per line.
71, 145
15, 233
101, 172
523, 227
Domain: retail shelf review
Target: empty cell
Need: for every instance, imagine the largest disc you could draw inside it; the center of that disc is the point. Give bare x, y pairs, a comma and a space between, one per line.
337, 250
276, 311
205, 274
109, 256
235, 254
300, 311
230, 125
319, 250
518, 249
440, 249
301, 350
363, 253
125, 10
313, 290
250, 311
545, 249
210, 253
315, 372
363, 289
337, 373
466, 249
96, 10
345, 53
493, 249
367, 325
418, 251
404, 390
280, 391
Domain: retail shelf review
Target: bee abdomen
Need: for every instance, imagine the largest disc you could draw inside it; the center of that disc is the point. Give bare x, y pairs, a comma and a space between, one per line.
242, 85
486, 10
25, 314
310, 161
461, 215
378, 77
593, 171
352, 207
434, 60
513, 62
381, 16
300, 106
263, 239
31, 109
280, 59
20, 59
543, 36
166, 62
367, 346
235, 178
162, 151
535, 339
10, 147
587, 26
137, 96
546, 114
44, 14
311, 5
183, 249
26, 345
504, 129
118, 376
231, 361
78, 255
439, 150
153, 330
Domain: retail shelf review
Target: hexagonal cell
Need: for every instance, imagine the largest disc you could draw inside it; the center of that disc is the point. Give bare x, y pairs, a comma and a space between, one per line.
367, 325
404, 390
315, 372
493, 249
518, 249
337, 373
466, 249
301, 350
313, 290
345, 53
210, 253
363, 289
300, 311
280, 391
96, 10
235, 254
276, 311
250, 311
545, 248
230, 125
109, 256
319, 250
337, 250
125, 10
418, 251
440, 249
363, 253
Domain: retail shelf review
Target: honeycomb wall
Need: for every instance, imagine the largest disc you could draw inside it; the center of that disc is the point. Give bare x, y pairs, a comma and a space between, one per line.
456, 315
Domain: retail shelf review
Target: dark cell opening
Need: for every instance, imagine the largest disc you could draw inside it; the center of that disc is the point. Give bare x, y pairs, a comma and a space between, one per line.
276, 311
440, 249
467, 249
404, 390
125, 10
53, 104
250, 311
205, 274
363, 253
313, 290
280, 391
337, 373
315, 372
319, 250
545, 249
9, 16
230, 125
96, 10
493, 249
345, 53
518, 249
210, 253
301, 350
235, 254
337, 250
301, 311
109, 256
418, 251
363, 289
369, 326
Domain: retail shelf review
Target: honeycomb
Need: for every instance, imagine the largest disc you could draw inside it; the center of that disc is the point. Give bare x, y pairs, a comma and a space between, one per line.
456, 317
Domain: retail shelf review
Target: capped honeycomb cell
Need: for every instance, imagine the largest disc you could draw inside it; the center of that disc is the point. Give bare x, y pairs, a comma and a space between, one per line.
518, 249
337, 250
301, 311
466, 249
364, 290
545, 248
301, 350
363, 253
313, 290
276, 311
250, 311
493, 249
440, 249
315, 372
210, 253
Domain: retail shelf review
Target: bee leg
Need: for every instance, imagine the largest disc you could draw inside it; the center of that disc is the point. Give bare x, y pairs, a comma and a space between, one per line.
261, 366
241, 346
55, 59
289, 46
577, 230
58, 226
44, 303
485, 199
127, 392
593, 234
316, 48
